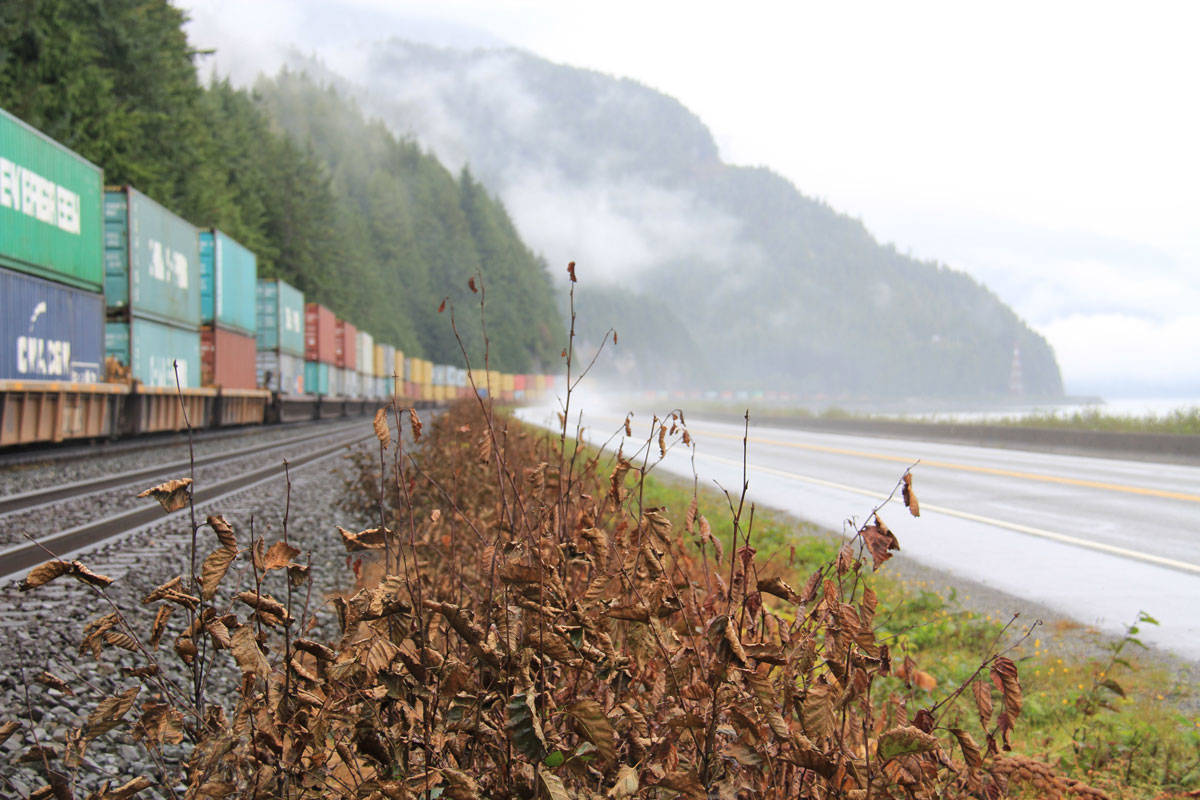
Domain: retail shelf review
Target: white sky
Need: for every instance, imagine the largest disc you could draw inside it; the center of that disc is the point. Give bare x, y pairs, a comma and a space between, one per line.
1051, 149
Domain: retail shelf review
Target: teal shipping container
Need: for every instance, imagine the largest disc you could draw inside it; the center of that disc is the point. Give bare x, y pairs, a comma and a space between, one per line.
316, 377
50, 208
150, 349
228, 283
151, 260
280, 310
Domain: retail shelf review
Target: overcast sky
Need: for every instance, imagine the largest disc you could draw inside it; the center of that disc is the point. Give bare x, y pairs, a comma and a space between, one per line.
1050, 149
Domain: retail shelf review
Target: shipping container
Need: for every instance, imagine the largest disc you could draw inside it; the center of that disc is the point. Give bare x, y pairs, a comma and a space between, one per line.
151, 260
279, 371
150, 349
228, 283
351, 383
316, 377
364, 352
385, 356
280, 317
51, 207
320, 334
49, 331
518, 383
397, 365
346, 349
227, 358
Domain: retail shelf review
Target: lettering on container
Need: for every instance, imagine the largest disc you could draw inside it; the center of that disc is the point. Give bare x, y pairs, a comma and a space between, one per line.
168, 265
28, 193
162, 371
51, 358
292, 321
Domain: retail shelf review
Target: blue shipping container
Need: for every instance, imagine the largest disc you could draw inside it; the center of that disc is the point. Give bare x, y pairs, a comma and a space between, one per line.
280, 317
316, 377
49, 331
151, 260
228, 283
151, 349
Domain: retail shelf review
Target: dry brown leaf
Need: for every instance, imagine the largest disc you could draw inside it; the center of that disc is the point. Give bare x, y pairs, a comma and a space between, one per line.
626, 784
414, 424
124, 791
160, 624
172, 495
247, 653
971, 752
108, 713
382, 432
880, 541
595, 726
983, 702
52, 681
910, 497
264, 603
44, 573
213, 570
7, 729
224, 532
370, 539
779, 588
279, 556
1004, 675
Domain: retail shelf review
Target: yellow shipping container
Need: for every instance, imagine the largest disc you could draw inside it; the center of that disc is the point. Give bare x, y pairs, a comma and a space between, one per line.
378, 366
508, 383
398, 365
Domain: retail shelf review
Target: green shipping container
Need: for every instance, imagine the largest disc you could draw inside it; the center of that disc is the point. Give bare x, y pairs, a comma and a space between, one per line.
50, 207
228, 283
316, 377
150, 348
151, 260
280, 317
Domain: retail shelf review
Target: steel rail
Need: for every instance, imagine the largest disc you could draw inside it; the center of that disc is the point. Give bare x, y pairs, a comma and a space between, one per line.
40, 497
19, 558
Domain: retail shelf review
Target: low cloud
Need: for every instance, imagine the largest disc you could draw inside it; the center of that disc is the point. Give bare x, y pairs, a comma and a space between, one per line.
1119, 354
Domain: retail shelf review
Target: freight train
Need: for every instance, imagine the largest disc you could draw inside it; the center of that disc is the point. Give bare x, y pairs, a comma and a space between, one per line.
108, 302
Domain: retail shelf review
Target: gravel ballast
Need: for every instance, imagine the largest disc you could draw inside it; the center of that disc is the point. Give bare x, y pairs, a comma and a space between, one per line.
43, 628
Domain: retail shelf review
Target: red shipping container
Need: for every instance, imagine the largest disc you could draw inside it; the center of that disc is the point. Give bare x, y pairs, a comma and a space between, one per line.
518, 383
319, 334
346, 349
227, 358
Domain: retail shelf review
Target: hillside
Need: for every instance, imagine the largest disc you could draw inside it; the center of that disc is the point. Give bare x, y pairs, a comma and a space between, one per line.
374, 227
776, 289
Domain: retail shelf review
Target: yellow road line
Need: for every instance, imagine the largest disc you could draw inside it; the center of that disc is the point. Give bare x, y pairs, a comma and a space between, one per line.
1041, 533
1030, 476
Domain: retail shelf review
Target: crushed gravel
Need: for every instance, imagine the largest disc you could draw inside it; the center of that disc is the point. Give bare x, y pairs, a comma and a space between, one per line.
42, 628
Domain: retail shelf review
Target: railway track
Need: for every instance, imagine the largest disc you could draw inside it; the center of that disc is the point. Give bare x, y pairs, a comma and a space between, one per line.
39, 497
17, 558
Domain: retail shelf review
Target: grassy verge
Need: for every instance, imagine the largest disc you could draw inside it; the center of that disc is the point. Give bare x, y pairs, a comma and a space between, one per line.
1116, 720
1183, 421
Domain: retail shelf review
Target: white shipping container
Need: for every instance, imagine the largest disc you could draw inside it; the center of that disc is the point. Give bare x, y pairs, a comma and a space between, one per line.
280, 372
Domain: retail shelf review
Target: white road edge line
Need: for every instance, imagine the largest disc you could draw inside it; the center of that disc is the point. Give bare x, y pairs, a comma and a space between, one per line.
1042, 533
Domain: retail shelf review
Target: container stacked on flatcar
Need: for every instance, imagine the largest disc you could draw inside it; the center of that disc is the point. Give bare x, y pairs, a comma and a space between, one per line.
343, 378
51, 278
320, 348
229, 317
279, 363
152, 290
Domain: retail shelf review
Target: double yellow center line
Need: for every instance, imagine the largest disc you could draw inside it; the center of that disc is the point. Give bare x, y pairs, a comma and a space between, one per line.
1029, 476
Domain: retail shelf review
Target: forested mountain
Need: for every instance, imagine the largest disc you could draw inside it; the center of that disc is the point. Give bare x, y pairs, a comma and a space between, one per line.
370, 225
773, 288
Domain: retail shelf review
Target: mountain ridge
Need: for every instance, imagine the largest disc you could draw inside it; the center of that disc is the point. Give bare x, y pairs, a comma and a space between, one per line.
776, 289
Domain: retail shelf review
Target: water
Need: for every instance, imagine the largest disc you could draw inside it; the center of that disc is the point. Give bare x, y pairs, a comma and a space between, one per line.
1117, 407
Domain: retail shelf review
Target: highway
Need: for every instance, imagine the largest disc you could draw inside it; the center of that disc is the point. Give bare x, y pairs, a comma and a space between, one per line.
1096, 539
